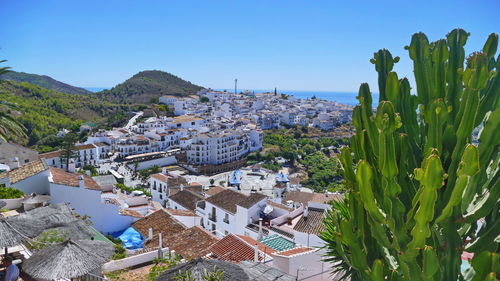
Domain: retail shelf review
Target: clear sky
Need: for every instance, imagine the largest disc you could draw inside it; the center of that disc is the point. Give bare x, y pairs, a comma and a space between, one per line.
299, 45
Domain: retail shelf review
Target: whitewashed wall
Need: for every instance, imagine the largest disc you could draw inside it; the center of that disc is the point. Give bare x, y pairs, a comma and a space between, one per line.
105, 217
38, 184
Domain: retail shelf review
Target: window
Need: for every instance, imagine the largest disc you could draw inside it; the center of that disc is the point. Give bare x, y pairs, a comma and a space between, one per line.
226, 218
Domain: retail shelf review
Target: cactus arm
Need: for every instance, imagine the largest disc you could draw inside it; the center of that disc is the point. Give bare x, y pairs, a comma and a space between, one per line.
364, 178
456, 40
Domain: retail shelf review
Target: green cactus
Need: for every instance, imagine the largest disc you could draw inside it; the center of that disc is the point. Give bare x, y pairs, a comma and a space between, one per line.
417, 184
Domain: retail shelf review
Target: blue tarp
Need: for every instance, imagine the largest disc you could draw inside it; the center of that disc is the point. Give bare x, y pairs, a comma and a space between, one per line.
235, 177
131, 239
282, 178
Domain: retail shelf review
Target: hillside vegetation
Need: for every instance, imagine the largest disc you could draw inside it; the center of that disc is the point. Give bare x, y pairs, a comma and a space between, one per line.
43, 81
44, 112
147, 86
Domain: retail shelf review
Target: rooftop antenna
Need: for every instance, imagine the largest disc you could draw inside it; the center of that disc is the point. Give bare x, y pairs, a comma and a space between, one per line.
235, 86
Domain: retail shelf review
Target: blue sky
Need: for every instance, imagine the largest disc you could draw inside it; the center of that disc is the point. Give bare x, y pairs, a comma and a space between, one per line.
299, 45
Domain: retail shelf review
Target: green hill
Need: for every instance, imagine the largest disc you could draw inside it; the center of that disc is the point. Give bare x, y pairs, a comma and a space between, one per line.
44, 112
146, 86
43, 81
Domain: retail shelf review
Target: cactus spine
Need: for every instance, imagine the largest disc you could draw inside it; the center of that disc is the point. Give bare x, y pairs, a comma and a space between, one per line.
417, 184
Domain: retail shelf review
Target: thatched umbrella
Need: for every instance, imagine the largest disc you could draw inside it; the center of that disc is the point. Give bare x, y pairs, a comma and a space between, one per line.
69, 259
199, 267
9, 235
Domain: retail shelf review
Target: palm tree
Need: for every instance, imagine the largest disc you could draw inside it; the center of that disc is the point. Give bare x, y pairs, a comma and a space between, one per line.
4, 69
10, 129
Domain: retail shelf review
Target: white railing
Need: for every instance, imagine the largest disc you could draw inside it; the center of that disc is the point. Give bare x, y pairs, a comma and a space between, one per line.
284, 218
135, 260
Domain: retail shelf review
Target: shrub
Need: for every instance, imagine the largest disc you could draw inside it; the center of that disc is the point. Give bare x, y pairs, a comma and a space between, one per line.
10, 193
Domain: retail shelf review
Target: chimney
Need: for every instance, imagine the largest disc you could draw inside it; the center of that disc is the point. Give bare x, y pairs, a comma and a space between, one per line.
306, 212
16, 163
260, 229
71, 166
87, 172
164, 171
256, 253
81, 183
150, 234
182, 187
160, 246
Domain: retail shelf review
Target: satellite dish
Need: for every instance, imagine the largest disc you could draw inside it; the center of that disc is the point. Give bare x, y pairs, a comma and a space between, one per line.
268, 210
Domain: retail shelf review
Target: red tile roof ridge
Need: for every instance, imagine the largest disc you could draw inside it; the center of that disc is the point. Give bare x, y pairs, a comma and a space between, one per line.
296, 251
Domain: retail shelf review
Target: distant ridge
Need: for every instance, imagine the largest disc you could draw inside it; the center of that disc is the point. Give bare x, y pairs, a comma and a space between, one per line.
146, 86
45, 82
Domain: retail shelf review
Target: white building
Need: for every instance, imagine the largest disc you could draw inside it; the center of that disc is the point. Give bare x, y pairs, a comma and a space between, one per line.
168, 100
106, 210
230, 212
85, 154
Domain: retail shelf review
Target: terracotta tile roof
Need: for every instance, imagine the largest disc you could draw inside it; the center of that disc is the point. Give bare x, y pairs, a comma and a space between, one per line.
295, 251
251, 200
101, 144
131, 213
306, 197
185, 118
228, 199
60, 176
214, 190
178, 212
192, 243
159, 221
280, 206
186, 199
195, 184
84, 146
30, 169
49, 155
231, 248
54, 154
263, 248
313, 224
161, 177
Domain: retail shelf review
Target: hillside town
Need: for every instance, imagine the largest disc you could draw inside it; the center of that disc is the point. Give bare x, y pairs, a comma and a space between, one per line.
198, 197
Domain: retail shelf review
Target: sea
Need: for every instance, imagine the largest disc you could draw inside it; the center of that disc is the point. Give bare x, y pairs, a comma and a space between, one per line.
340, 97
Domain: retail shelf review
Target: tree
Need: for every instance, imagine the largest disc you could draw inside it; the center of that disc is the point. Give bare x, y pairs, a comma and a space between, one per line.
10, 129
212, 181
68, 148
4, 69
204, 100
419, 185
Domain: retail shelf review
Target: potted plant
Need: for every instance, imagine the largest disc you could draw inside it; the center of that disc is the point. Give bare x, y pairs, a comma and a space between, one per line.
12, 197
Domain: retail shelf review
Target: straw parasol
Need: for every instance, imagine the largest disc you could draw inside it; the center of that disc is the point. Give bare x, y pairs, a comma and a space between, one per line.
69, 259
10, 236
199, 267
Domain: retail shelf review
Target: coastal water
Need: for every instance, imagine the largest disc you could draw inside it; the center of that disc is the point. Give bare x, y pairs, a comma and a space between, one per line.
340, 97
